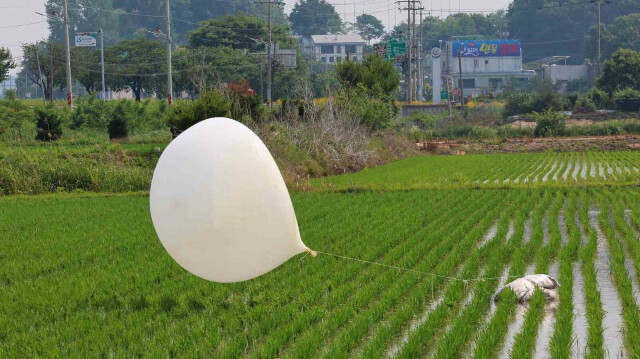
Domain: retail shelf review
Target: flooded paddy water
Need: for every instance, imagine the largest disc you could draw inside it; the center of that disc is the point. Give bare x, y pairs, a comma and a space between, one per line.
612, 321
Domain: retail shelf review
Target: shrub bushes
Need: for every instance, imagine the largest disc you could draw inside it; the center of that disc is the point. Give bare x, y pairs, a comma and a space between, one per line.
585, 105
374, 113
119, 121
549, 123
48, 123
517, 104
90, 113
599, 98
627, 99
184, 114
245, 103
524, 103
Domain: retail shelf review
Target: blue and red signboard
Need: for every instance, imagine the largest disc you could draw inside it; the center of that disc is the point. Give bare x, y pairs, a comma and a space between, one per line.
486, 48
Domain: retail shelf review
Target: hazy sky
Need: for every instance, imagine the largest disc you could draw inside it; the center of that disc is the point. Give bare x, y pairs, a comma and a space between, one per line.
23, 12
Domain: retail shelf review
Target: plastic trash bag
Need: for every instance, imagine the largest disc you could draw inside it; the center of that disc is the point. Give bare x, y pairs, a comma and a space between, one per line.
525, 287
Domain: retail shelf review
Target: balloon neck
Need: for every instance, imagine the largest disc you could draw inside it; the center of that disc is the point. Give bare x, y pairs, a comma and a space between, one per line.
312, 252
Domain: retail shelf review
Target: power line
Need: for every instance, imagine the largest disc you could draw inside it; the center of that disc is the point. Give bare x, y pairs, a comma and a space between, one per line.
21, 25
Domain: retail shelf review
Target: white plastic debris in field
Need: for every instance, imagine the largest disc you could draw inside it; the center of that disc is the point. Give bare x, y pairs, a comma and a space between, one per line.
525, 287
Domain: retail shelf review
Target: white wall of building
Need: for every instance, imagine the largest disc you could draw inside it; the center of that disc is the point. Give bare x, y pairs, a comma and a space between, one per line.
481, 73
557, 73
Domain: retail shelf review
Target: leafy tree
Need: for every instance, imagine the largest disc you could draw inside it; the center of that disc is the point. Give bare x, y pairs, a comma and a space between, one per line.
238, 32
89, 16
138, 65
537, 22
627, 99
6, 63
624, 33
621, 71
369, 27
378, 76
324, 84
315, 17
349, 75
86, 68
377, 72
51, 60
548, 100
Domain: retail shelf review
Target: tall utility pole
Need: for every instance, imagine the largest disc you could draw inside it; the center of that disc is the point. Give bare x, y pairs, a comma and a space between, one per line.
420, 64
461, 80
409, 58
169, 73
51, 69
598, 47
68, 56
104, 92
269, 48
411, 10
269, 65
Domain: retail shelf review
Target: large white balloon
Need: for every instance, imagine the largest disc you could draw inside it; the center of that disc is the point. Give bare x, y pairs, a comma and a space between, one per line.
220, 205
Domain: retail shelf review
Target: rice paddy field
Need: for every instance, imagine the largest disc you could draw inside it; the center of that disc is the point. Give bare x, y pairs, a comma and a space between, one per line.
85, 275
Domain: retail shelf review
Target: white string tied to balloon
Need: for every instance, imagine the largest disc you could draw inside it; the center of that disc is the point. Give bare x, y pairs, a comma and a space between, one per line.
465, 280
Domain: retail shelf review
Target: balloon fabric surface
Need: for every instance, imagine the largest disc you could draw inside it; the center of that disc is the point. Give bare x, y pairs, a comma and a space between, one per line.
220, 205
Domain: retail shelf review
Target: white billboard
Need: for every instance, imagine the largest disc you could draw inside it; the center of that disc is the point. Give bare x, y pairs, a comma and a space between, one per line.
86, 40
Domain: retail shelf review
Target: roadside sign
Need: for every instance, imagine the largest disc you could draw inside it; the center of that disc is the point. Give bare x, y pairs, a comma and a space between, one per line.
380, 50
444, 95
396, 48
456, 92
86, 40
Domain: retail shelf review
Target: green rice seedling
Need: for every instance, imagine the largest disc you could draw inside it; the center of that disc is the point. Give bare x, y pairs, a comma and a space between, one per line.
490, 338
384, 334
348, 288
631, 312
561, 341
342, 343
419, 340
525, 340
595, 313
313, 337
464, 325
403, 251
460, 331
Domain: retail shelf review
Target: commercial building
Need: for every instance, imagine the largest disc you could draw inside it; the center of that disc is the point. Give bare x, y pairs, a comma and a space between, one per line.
487, 65
332, 49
